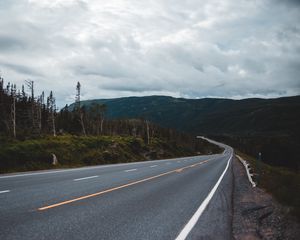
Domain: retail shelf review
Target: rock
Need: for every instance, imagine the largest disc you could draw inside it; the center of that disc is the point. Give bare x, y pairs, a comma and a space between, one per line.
55, 160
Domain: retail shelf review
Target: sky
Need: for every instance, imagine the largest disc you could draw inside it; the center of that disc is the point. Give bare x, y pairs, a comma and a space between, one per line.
182, 48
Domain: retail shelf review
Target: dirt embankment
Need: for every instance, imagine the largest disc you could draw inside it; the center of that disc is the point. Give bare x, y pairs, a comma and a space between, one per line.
256, 215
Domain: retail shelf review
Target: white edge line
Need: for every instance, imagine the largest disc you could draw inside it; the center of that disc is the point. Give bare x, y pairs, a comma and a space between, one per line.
244, 162
192, 222
88, 168
153, 166
130, 170
79, 179
5, 191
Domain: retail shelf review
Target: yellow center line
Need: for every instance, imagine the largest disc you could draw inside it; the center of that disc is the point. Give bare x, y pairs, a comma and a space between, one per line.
119, 187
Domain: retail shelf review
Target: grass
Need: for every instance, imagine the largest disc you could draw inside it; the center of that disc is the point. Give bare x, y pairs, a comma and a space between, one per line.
74, 151
282, 183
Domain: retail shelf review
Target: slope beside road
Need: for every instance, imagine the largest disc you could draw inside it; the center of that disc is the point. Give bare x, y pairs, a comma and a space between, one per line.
183, 198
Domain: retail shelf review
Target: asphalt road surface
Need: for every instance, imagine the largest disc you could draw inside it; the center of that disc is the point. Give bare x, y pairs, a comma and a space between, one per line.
183, 198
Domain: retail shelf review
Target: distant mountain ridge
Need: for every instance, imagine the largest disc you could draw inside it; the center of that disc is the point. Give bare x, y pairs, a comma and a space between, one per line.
271, 126
210, 115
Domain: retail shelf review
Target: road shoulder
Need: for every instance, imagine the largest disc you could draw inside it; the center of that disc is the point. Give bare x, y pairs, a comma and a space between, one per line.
256, 215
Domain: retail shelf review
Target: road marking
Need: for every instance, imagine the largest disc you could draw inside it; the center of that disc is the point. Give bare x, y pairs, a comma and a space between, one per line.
79, 179
130, 170
115, 188
79, 169
5, 191
192, 222
153, 166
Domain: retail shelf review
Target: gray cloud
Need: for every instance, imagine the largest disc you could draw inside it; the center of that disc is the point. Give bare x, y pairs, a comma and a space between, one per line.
21, 69
291, 2
8, 43
116, 48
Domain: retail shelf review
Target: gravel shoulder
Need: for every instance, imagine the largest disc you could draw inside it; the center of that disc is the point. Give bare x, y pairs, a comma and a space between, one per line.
256, 214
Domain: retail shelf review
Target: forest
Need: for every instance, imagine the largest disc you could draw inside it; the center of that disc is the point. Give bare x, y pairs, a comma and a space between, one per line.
31, 125
24, 116
269, 126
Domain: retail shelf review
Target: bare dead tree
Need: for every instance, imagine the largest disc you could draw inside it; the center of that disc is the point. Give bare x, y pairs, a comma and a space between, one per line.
52, 109
102, 111
39, 111
30, 85
77, 104
148, 132
13, 110
98, 111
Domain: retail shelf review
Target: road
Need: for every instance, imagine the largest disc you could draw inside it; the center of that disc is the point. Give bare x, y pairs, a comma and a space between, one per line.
183, 198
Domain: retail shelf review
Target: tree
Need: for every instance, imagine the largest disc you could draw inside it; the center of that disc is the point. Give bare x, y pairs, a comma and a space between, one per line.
148, 132
34, 107
97, 111
40, 102
52, 110
13, 110
78, 107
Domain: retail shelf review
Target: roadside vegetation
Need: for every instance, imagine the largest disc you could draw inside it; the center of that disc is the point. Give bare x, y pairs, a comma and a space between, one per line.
270, 126
282, 183
76, 151
33, 133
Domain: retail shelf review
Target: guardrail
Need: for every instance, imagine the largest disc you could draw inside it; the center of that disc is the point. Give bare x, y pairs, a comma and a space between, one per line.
247, 167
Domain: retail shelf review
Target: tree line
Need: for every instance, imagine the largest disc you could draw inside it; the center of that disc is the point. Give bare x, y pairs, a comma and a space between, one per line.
25, 115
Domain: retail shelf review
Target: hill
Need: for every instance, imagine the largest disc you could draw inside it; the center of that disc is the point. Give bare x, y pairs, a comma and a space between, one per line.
210, 115
254, 125
32, 133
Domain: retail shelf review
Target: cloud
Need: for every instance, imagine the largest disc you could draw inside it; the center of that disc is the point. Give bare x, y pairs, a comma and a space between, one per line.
21, 69
292, 2
8, 43
117, 48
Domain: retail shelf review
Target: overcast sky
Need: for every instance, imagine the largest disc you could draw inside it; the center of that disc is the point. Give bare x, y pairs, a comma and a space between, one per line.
181, 48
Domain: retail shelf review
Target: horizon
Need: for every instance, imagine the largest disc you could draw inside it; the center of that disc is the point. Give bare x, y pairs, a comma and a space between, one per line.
233, 49
198, 98
61, 105
104, 99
